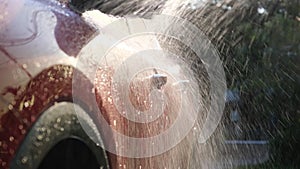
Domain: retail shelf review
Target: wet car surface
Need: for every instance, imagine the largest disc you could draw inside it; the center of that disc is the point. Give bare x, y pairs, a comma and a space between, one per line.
36, 66
40, 42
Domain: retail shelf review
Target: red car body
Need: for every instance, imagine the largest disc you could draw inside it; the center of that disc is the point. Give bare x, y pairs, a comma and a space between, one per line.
39, 46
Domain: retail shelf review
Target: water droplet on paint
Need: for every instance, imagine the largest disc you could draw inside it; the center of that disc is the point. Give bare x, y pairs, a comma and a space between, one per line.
24, 160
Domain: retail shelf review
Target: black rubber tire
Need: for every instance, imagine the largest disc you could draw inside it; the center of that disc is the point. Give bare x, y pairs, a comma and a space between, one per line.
60, 122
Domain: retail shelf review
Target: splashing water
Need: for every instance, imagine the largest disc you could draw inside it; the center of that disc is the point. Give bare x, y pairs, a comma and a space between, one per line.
214, 19
184, 60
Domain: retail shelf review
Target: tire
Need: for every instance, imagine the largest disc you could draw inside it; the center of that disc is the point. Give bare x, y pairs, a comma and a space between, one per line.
58, 131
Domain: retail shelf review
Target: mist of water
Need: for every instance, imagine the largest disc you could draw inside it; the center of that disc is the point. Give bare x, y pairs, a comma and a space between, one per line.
214, 19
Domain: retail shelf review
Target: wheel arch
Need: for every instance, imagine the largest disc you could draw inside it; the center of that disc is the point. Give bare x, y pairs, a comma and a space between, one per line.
51, 86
